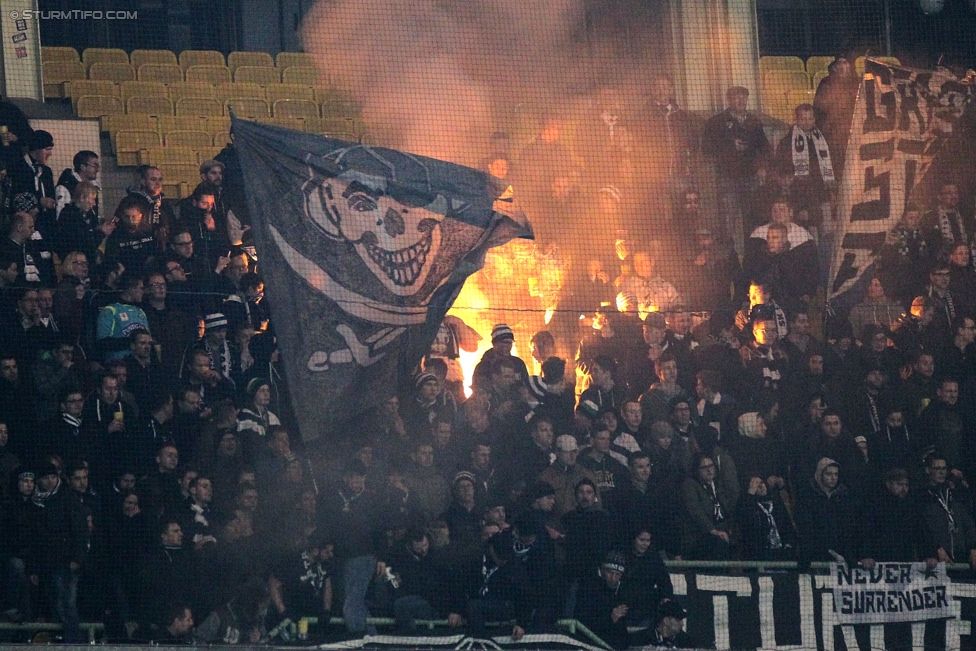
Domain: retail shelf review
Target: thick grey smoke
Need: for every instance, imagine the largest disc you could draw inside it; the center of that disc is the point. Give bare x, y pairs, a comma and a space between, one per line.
436, 77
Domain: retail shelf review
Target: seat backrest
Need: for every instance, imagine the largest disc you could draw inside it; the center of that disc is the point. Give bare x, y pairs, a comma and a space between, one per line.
201, 58
166, 73
817, 63
59, 54
296, 108
257, 75
211, 74
153, 105
186, 89
93, 106
288, 59
341, 108
304, 75
58, 71
275, 92
781, 63
133, 140
142, 89
169, 123
197, 106
93, 55
247, 108
125, 121
217, 124
78, 87
233, 90
187, 138
139, 57
237, 59
116, 72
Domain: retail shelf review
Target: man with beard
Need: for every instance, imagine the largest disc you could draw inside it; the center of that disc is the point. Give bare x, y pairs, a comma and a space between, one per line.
85, 167
197, 215
150, 187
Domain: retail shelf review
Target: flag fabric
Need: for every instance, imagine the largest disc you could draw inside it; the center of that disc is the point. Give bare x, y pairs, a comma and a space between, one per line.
363, 250
902, 120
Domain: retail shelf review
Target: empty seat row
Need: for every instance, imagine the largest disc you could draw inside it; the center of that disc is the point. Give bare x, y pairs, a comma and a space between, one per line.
187, 58
95, 106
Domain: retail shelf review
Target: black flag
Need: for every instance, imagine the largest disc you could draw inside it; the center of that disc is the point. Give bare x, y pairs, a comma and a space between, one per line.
363, 251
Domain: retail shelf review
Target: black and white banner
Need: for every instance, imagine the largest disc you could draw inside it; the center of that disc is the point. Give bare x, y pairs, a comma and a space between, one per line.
793, 610
903, 119
890, 592
363, 250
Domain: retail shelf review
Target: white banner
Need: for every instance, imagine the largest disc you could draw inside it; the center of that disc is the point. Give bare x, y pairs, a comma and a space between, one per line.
903, 118
890, 592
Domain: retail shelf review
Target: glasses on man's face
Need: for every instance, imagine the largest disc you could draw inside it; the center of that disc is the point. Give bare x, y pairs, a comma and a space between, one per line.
706, 466
156, 285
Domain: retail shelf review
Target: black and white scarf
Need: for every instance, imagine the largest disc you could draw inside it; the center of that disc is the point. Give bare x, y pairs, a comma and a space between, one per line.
801, 157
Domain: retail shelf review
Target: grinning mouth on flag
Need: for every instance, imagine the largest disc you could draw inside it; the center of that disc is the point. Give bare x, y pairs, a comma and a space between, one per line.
402, 266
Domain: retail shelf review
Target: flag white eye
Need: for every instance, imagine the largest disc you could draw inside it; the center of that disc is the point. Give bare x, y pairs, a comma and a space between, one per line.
362, 203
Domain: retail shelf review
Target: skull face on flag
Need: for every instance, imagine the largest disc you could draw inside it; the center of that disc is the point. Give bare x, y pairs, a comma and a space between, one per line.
395, 234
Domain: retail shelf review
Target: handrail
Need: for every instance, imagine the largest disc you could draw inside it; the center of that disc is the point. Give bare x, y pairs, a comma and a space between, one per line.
38, 627
769, 565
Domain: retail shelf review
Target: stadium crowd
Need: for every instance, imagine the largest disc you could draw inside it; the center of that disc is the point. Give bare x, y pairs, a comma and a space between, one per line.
154, 477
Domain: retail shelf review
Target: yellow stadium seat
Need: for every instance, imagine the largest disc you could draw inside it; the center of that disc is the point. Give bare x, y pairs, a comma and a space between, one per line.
192, 89
820, 76
296, 124
781, 63
81, 87
94, 106
186, 138
166, 155
49, 54
341, 108
150, 105
859, 63
288, 91
128, 143
305, 75
166, 73
796, 97
55, 73
142, 89
210, 74
206, 153
222, 139
786, 80
330, 125
116, 72
168, 123
198, 106
139, 57
93, 55
296, 108
179, 179
237, 59
236, 90
289, 59
247, 108
201, 58
133, 122
257, 75
817, 63
217, 125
